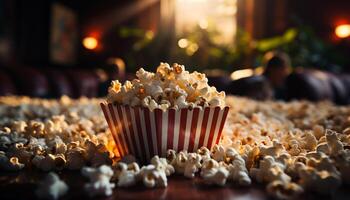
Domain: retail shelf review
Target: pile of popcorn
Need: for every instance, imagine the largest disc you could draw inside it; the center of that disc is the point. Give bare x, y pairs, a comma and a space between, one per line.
169, 87
52, 135
290, 147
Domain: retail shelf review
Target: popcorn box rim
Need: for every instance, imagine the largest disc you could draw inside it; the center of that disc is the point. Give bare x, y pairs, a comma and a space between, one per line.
158, 109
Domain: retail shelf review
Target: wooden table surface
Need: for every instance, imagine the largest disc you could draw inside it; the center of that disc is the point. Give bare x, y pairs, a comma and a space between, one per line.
21, 185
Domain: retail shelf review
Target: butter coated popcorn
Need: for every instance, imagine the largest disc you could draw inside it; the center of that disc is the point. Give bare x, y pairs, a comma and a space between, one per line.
169, 87
35, 128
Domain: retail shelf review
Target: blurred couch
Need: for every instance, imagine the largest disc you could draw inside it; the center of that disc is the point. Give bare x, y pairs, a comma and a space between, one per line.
309, 84
51, 82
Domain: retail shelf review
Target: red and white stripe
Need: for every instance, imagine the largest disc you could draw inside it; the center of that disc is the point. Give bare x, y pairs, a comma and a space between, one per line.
143, 133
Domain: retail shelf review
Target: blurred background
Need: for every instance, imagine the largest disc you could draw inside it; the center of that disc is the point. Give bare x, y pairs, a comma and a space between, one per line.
262, 49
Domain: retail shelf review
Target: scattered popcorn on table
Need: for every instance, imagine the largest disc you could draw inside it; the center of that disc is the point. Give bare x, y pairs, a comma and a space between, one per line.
53, 135
290, 147
51, 187
169, 87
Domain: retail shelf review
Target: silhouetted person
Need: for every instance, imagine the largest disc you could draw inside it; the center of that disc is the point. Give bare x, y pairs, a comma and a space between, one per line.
277, 68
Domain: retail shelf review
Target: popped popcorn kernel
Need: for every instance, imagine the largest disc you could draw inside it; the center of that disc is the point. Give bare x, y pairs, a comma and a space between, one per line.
169, 87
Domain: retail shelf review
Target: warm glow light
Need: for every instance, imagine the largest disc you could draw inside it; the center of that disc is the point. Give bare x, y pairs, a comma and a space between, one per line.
191, 49
149, 35
259, 70
219, 15
183, 43
90, 43
242, 74
203, 24
343, 31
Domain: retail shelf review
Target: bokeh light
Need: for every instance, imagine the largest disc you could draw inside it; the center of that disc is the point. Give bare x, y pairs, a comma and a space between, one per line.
90, 43
183, 43
343, 31
203, 24
243, 73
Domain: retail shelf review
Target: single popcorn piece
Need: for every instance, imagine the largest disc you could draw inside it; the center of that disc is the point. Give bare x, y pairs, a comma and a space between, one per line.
126, 179
118, 168
180, 162
51, 187
209, 167
318, 131
217, 176
162, 164
274, 151
204, 152
97, 154
128, 175
309, 141
9, 164
238, 171
57, 144
193, 165
281, 190
269, 170
76, 158
19, 126
218, 153
334, 144
323, 147
171, 157
21, 152
99, 181
169, 87
152, 177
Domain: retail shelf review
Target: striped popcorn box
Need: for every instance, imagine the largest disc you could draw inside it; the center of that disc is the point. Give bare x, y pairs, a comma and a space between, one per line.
144, 133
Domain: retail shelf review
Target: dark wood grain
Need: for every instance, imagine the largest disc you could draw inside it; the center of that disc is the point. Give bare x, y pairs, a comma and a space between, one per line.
21, 185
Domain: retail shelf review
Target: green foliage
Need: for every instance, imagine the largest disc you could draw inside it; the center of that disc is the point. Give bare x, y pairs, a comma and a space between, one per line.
206, 51
304, 48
